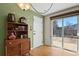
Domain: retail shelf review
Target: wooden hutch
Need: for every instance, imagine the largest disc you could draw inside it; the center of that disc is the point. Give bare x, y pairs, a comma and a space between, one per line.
17, 42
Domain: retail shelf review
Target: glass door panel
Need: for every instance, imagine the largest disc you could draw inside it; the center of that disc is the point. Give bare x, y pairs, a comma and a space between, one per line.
70, 33
57, 33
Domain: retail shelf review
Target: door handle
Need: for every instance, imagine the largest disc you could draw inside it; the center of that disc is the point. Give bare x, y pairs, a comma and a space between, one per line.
34, 33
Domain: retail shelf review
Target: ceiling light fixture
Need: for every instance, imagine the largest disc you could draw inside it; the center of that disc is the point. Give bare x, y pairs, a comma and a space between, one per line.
26, 6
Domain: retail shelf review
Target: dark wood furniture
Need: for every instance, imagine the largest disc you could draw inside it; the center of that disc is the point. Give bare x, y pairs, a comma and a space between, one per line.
17, 47
20, 45
17, 28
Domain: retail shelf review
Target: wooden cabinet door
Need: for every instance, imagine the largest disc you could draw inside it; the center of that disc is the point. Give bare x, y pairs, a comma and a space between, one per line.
13, 51
25, 47
13, 48
17, 47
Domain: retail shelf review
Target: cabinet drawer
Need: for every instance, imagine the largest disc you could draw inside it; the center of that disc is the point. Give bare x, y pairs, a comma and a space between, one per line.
12, 43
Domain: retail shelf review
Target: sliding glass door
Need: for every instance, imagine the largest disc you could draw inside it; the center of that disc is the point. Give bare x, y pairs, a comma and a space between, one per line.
57, 33
70, 33
65, 33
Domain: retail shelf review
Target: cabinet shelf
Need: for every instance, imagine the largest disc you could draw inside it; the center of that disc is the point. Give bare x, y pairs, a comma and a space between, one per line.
19, 30
19, 24
16, 28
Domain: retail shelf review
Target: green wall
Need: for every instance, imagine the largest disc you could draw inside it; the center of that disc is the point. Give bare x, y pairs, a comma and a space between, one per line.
6, 8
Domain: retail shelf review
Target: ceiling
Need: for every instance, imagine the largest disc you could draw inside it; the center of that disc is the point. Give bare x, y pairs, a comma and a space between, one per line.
56, 7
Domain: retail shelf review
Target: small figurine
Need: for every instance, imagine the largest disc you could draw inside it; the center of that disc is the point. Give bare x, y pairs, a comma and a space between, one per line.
12, 36
22, 20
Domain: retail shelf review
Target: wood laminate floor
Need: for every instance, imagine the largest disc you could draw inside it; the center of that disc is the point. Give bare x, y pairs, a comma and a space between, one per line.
51, 51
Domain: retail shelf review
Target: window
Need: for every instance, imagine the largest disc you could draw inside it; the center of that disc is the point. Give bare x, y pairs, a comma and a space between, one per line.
65, 33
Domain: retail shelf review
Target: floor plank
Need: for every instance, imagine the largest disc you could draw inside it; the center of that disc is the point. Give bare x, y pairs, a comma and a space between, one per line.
51, 51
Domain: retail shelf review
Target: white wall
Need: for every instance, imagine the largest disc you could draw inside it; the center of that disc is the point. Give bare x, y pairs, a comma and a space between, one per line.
47, 32
78, 32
